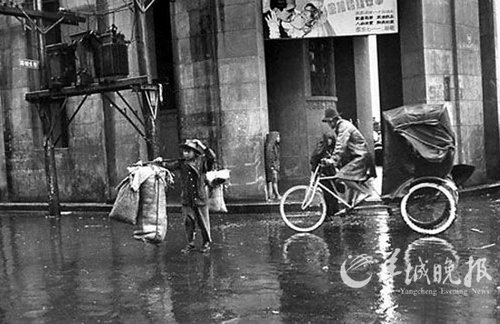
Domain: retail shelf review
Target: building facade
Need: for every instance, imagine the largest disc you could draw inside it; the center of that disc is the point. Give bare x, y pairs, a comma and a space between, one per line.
229, 87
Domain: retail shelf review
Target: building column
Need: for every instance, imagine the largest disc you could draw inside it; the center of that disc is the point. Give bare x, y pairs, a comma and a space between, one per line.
220, 78
367, 87
441, 63
4, 188
243, 98
490, 56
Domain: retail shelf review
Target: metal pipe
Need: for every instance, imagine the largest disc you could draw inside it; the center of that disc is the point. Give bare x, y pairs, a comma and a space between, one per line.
144, 63
72, 116
131, 108
141, 38
125, 115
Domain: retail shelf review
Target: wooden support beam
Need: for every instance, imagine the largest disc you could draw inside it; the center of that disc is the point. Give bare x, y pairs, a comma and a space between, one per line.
44, 97
69, 17
45, 114
53, 95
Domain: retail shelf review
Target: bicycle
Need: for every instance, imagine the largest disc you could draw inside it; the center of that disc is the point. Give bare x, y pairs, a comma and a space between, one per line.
418, 172
428, 206
303, 207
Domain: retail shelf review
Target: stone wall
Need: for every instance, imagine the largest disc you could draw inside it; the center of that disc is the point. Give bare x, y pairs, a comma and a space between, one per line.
289, 112
490, 57
468, 115
219, 58
23, 174
101, 141
441, 63
221, 96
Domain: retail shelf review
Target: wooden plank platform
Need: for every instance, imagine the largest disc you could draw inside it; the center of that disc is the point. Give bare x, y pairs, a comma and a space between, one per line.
57, 94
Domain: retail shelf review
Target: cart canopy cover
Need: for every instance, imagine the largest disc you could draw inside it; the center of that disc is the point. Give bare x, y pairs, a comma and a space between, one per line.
418, 141
425, 127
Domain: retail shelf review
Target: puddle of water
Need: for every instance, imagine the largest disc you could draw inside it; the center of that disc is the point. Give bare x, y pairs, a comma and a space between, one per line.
85, 268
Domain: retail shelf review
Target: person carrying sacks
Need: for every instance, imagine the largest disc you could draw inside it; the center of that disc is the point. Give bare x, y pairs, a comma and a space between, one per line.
197, 160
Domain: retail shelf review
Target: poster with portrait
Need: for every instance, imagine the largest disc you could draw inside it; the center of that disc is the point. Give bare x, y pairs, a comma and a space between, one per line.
327, 18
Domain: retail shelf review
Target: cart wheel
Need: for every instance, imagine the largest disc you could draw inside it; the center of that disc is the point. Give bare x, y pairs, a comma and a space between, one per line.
429, 208
303, 209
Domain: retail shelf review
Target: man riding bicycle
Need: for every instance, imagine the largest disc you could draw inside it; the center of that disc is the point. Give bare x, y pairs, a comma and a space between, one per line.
350, 157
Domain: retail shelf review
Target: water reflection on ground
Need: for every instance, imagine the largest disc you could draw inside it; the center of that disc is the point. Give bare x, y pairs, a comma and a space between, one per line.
85, 268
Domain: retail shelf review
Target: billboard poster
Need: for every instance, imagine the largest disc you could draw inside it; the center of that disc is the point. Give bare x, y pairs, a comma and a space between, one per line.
327, 18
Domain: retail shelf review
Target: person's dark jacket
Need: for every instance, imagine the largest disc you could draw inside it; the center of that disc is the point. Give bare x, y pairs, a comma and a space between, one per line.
351, 155
196, 168
272, 155
323, 151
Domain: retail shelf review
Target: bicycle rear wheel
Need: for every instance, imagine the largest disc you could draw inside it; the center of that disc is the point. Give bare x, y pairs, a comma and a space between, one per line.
303, 209
429, 208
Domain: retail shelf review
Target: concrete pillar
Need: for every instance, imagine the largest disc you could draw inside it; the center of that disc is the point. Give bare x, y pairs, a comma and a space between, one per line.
490, 29
496, 20
367, 92
440, 52
243, 96
220, 77
4, 189
468, 94
412, 54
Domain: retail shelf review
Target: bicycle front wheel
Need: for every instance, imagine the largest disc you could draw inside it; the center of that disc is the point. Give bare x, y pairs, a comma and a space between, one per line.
429, 208
303, 209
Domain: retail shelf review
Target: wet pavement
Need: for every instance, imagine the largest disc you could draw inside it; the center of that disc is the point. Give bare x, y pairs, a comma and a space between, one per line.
368, 268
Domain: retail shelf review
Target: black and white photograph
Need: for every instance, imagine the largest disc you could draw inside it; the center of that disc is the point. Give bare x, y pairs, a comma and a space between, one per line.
327, 18
249, 161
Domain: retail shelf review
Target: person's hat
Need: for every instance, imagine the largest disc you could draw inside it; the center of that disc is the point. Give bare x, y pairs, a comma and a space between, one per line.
191, 145
330, 114
283, 4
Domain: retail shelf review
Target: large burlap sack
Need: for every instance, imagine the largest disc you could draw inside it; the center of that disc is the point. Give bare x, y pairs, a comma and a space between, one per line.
216, 201
126, 204
152, 216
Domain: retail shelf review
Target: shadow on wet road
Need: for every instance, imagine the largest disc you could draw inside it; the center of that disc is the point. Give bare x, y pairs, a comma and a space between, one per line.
366, 268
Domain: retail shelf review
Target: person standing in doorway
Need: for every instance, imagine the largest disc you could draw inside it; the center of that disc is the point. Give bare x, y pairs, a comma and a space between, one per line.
272, 158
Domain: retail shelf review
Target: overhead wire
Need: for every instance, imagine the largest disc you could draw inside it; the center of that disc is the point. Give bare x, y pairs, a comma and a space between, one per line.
120, 8
126, 5
106, 12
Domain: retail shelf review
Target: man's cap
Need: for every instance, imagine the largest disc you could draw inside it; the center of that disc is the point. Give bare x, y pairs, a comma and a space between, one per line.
283, 4
330, 114
191, 145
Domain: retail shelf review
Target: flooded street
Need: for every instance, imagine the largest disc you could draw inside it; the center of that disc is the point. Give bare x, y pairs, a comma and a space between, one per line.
367, 268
